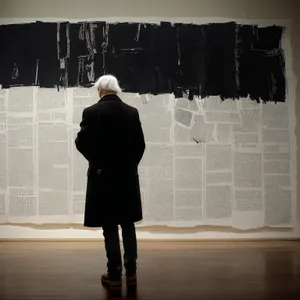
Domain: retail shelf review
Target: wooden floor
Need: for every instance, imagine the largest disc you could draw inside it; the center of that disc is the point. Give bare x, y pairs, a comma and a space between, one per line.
167, 270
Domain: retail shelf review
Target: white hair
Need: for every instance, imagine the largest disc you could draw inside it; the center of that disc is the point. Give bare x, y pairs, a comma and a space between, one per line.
108, 83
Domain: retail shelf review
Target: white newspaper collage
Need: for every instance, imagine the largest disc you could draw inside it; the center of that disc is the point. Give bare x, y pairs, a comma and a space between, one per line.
207, 161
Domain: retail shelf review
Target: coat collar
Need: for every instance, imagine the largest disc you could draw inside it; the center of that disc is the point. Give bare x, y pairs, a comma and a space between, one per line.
111, 97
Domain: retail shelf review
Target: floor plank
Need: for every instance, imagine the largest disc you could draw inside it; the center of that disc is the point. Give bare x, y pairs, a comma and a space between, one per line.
167, 270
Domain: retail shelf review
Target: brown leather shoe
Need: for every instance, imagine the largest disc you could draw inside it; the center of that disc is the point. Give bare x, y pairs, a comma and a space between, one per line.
106, 281
131, 280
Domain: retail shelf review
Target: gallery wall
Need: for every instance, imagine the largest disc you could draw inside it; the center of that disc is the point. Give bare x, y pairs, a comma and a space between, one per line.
212, 10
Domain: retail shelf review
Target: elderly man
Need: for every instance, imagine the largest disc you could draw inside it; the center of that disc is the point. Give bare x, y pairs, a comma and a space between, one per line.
112, 140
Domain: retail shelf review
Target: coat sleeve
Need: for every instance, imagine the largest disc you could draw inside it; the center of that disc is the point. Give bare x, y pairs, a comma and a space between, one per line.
139, 141
84, 139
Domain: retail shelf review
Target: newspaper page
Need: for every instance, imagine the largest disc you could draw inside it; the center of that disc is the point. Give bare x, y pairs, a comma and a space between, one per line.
53, 155
277, 165
80, 99
248, 196
20, 156
218, 184
248, 167
156, 111
3, 158
156, 171
188, 183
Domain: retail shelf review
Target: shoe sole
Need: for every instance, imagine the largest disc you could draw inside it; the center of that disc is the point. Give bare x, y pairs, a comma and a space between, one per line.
112, 284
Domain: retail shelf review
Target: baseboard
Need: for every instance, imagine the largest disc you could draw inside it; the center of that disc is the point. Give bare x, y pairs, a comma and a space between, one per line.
148, 240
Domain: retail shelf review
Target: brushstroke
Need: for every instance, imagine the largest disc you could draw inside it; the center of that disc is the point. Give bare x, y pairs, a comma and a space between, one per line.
49, 71
18, 55
219, 59
261, 63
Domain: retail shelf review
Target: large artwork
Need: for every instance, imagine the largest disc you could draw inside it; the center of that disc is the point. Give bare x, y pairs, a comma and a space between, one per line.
215, 101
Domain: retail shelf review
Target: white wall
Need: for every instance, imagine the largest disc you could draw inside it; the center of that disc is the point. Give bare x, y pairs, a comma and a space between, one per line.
239, 9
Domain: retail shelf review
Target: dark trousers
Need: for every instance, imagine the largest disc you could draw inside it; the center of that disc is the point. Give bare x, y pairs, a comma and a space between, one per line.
113, 251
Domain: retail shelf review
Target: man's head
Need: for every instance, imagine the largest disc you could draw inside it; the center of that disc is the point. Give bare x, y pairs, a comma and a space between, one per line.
107, 84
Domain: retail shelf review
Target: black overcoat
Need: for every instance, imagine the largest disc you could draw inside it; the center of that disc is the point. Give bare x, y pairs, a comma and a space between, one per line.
112, 140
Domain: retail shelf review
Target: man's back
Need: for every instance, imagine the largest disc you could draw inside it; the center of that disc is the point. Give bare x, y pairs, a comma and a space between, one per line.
114, 132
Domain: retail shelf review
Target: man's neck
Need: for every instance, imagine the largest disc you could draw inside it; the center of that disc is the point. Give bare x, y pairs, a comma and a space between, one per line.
107, 93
